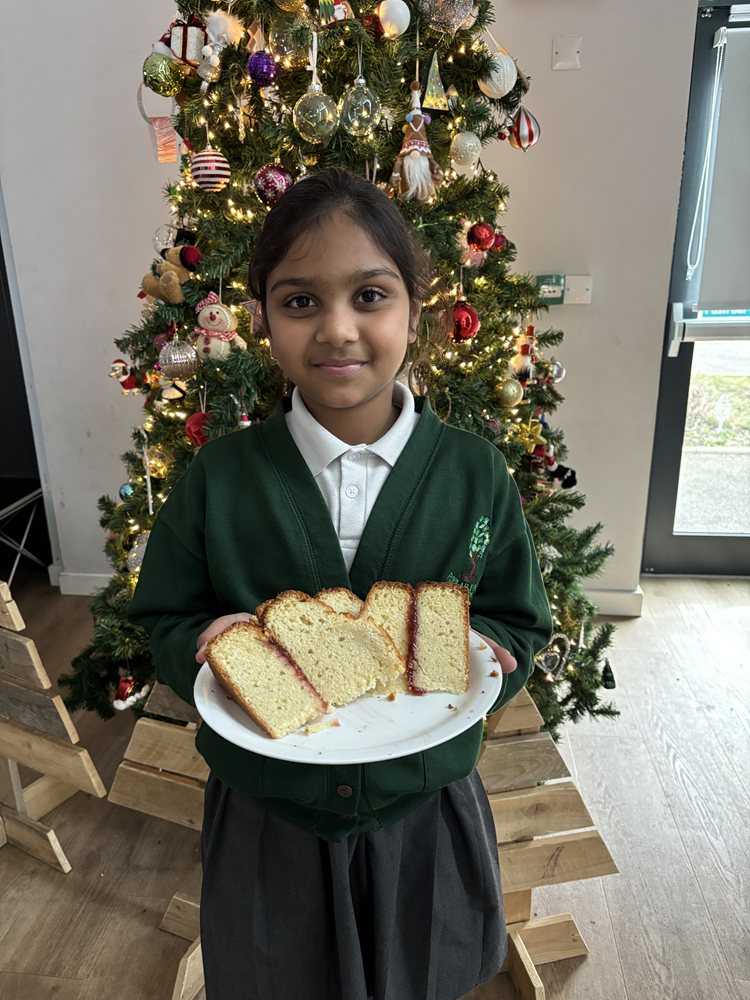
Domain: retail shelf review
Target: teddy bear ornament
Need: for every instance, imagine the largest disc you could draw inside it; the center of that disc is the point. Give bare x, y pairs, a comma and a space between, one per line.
216, 332
179, 264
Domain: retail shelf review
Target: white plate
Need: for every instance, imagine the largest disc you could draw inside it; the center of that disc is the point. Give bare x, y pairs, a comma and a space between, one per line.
371, 728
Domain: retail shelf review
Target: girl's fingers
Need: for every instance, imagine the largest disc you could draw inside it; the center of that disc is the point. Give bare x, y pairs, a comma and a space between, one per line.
213, 629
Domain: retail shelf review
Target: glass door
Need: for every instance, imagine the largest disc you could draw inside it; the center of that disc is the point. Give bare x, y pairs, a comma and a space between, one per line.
698, 519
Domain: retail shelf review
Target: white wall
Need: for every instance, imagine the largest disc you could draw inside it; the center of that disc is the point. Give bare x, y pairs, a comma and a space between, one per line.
82, 192
598, 195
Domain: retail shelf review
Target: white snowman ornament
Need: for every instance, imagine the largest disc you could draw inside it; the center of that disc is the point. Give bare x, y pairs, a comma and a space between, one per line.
216, 332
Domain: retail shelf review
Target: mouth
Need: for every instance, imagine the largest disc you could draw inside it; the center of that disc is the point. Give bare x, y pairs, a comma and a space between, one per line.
347, 366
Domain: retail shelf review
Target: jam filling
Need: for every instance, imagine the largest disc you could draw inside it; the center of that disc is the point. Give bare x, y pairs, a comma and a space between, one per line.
282, 652
412, 663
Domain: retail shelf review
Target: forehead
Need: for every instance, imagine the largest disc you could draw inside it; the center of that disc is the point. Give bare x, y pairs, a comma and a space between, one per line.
339, 243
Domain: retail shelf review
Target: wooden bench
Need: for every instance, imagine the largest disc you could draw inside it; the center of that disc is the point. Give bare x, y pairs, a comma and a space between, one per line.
36, 731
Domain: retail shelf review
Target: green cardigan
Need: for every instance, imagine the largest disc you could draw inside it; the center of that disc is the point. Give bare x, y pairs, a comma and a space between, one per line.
247, 521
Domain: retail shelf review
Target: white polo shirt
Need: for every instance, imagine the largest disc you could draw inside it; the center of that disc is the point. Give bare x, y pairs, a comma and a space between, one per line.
350, 477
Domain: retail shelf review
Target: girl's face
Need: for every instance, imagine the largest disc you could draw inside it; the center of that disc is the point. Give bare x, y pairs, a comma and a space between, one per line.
339, 317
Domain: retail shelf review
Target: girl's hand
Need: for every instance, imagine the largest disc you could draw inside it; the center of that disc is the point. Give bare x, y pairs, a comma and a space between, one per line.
504, 658
216, 626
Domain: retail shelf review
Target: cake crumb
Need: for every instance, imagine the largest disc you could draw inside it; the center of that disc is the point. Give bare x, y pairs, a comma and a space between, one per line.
494, 659
494, 674
318, 727
391, 696
483, 646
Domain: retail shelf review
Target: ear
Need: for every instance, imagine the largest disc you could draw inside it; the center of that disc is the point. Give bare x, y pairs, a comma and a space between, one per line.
415, 310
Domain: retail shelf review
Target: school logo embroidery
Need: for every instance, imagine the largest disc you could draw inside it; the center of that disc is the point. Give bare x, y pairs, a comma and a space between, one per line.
480, 539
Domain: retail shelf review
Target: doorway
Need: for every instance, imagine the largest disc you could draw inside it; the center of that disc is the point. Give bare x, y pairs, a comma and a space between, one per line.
698, 520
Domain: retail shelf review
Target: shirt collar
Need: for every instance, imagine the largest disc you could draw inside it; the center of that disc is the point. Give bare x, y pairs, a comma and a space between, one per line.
319, 447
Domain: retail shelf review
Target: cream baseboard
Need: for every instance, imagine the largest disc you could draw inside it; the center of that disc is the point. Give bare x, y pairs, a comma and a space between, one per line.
83, 584
622, 603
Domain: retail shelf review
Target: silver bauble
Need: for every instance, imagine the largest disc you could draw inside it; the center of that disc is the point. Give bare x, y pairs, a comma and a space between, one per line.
556, 371
466, 149
178, 359
468, 22
447, 15
136, 554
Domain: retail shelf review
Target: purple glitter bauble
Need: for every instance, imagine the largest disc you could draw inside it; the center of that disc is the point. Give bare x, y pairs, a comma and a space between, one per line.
271, 182
262, 68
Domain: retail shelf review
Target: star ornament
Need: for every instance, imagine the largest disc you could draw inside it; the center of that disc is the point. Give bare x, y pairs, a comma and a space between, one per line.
531, 436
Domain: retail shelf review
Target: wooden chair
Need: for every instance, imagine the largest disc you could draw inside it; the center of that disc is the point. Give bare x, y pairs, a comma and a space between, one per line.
163, 775
544, 834
36, 731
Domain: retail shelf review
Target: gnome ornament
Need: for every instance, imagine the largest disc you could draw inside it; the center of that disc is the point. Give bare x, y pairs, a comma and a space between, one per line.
216, 332
524, 360
416, 173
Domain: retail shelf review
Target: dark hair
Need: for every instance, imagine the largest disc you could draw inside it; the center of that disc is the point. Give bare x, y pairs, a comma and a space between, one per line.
309, 203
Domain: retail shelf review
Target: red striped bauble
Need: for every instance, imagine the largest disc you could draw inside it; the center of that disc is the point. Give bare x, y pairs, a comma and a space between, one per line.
525, 131
210, 170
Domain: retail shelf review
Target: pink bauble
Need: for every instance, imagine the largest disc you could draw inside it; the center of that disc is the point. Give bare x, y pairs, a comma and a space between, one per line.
210, 170
525, 130
481, 236
271, 182
466, 322
499, 243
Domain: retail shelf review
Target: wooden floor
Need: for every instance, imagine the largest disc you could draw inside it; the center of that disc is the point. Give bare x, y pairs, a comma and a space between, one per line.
667, 785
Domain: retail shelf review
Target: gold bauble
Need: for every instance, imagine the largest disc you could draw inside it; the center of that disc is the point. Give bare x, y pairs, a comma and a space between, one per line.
162, 75
509, 392
286, 52
158, 462
290, 6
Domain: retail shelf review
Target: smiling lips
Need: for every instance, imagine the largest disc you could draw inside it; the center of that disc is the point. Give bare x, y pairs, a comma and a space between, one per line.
346, 366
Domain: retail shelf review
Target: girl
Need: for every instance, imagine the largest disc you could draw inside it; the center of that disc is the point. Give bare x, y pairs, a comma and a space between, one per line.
343, 882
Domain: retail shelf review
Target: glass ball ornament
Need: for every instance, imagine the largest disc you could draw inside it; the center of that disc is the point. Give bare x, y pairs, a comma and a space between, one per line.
136, 554
394, 17
163, 75
447, 15
125, 491
262, 68
509, 392
315, 116
466, 149
556, 371
359, 109
158, 462
499, 242
271, 182
481, 236
502, 78
178, 359
466, 322
164, 238
289, 5
210, 169
281, 41
525, 130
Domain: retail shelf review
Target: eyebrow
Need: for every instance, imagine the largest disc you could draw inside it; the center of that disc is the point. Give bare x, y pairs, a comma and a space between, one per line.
354, 278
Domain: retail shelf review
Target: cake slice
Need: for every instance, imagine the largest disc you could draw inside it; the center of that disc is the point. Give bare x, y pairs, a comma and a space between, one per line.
341, 600
390, 606
439, 654
264, 681
342, 656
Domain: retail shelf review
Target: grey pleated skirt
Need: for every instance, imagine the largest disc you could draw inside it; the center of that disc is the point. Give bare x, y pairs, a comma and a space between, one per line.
410, 912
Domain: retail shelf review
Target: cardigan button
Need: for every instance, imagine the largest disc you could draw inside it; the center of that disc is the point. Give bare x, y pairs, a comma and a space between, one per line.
344, 791
347, 817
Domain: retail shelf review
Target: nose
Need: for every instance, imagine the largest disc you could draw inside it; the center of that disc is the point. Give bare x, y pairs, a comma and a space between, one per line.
337, 327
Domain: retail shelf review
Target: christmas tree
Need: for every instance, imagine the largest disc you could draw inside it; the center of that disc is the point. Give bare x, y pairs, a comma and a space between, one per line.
405, 94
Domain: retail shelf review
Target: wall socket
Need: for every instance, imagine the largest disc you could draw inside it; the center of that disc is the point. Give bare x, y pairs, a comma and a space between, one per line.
566, 52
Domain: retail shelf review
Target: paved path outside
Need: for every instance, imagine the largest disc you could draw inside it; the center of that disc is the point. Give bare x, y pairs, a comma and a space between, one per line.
713, 496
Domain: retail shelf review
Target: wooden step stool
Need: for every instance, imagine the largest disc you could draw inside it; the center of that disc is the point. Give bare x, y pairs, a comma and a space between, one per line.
535, 846
36, 731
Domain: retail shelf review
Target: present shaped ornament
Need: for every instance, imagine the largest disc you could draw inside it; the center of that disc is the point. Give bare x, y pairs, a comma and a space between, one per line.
186, 40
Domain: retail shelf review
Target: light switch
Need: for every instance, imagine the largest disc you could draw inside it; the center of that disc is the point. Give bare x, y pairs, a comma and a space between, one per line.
566, 52
578, 289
